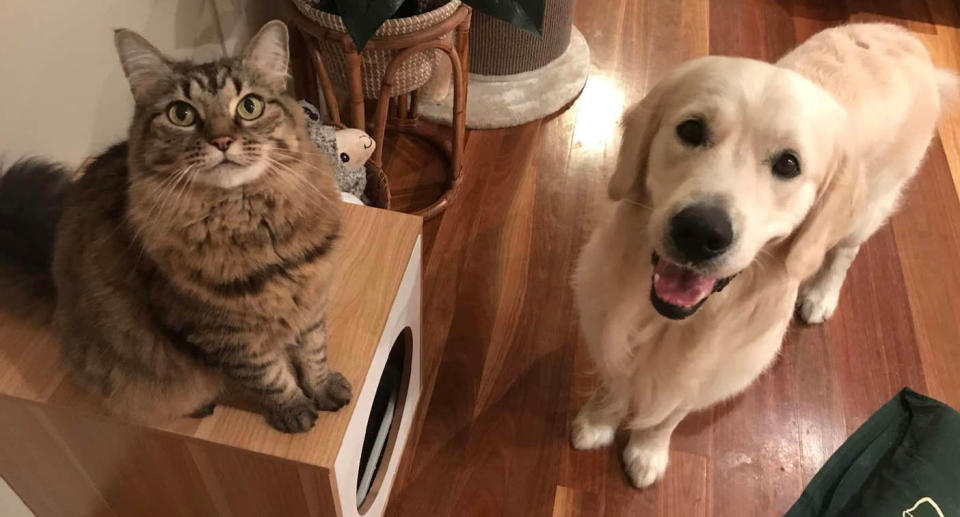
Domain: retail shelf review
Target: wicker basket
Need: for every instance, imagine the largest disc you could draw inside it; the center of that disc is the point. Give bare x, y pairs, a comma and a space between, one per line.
378, 189
412, 74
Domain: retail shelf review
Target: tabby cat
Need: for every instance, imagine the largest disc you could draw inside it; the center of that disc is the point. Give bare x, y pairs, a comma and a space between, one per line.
196, 255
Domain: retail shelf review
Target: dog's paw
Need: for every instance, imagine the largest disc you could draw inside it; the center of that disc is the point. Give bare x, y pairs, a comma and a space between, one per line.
817, 304
586, 435
645, 463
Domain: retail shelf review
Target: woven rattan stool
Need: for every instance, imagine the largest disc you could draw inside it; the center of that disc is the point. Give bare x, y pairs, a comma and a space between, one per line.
404, 116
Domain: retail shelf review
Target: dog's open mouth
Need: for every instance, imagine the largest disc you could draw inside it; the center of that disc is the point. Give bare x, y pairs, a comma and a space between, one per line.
678, 291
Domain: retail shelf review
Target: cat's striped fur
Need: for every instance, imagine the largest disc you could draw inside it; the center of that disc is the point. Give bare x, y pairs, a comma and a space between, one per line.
178, 274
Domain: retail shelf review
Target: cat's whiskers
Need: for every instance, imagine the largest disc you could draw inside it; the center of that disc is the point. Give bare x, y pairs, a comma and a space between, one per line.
165, 182
164, 190
178, 206
163, 193
296, 176
284, 174
305, 163
181, 177
292, 186
301, 161
307, 153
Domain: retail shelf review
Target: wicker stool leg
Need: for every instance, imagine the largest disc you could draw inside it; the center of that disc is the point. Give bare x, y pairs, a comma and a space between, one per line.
355, 80
329, 95
403, 109
459, 119
457, 143
414, 104
454, 146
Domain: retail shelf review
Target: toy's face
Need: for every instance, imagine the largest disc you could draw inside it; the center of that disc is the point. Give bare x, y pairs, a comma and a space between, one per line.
354, 147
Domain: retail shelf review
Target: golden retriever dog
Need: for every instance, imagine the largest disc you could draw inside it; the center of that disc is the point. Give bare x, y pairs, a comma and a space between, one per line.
743, 191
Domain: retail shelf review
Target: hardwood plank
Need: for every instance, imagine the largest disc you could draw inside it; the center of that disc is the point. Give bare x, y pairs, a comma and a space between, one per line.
684, 488
927, 232
587, 471
756, 451
819, 394
568, 502
455, 313
414, 189
871, 336
503, 414
944, 46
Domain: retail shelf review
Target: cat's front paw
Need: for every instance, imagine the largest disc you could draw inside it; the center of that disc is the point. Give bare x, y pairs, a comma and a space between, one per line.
332, 393
295, 417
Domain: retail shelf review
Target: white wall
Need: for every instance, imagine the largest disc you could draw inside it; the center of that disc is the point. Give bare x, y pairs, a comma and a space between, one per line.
62, 92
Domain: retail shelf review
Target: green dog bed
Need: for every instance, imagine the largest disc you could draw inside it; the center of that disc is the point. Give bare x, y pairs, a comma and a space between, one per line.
904, 461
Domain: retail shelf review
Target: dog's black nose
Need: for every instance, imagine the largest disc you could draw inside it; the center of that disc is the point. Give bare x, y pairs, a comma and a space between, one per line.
701, 232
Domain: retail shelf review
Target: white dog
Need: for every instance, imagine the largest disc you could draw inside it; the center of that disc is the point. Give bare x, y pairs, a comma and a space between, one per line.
743, 182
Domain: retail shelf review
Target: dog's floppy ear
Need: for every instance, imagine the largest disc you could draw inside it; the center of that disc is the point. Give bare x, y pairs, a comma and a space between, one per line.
639, 124
829, 219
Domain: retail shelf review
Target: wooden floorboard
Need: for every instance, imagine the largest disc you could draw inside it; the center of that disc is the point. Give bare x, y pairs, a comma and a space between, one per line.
504, 366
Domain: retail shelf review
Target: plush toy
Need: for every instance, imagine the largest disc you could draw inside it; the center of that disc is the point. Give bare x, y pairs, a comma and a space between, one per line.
348, 148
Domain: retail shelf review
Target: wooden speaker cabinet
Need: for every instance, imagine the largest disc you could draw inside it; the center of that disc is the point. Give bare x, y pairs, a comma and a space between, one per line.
64, 458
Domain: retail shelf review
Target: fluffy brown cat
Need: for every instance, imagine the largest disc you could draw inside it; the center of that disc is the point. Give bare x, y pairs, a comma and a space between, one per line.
196, 255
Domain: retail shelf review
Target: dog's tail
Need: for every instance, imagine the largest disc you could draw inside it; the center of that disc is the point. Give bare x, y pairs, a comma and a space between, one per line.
31, 200
948, 83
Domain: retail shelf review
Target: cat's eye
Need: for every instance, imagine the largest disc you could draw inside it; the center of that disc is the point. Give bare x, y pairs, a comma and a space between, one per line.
786, 165
692, 132
182, 114
250, 107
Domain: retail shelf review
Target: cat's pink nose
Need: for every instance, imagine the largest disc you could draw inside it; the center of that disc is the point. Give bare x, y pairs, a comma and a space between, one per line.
222, 143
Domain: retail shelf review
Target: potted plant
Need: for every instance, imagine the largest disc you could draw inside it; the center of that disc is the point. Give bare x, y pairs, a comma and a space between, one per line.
364, 19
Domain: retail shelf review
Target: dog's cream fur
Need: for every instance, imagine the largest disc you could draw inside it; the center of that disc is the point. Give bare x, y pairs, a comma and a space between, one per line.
858, 104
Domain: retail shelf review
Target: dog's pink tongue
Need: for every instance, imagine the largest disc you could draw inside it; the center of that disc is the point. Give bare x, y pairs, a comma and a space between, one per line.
680, 286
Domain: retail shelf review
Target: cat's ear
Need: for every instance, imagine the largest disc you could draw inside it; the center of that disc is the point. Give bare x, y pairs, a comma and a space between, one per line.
143, 64
268, 53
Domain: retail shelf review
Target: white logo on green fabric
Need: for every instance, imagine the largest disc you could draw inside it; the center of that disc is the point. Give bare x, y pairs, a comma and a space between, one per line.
924, 508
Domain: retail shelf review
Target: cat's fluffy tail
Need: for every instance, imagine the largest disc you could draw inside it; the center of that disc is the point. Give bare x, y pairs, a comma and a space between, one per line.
31, 199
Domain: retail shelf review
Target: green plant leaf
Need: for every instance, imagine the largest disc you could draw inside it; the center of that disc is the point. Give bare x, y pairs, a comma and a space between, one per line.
363, 17
524, 14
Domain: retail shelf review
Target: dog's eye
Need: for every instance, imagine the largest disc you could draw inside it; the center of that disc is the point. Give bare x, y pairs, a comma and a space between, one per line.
692, 132
786, 166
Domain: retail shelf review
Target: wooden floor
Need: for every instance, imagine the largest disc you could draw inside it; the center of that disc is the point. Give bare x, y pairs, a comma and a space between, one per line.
505, 367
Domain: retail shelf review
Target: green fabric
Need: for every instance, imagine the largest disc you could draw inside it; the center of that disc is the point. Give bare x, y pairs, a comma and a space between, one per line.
904, 461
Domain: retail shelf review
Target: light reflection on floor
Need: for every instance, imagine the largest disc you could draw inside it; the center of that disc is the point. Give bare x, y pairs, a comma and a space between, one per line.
598, 112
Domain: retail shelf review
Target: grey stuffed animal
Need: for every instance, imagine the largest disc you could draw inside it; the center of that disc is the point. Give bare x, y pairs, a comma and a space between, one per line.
348, 148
